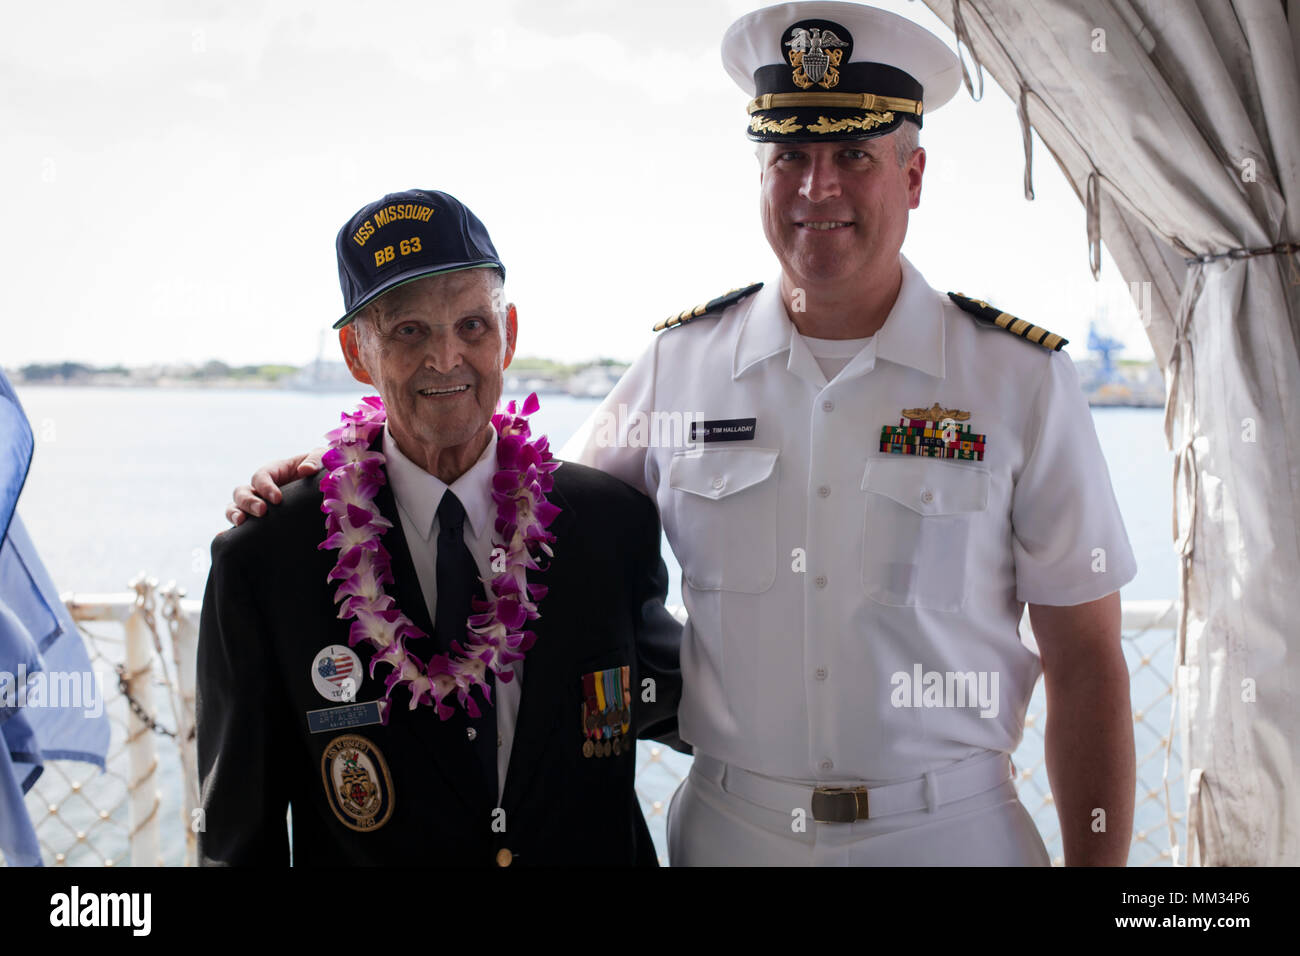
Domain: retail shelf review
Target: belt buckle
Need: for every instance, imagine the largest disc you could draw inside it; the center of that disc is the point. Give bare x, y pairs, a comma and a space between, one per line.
839, 804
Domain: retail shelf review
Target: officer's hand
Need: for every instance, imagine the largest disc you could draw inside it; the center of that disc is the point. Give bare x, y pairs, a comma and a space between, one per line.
252, 499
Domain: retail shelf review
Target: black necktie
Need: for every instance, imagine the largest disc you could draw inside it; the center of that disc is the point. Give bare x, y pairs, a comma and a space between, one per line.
457, 583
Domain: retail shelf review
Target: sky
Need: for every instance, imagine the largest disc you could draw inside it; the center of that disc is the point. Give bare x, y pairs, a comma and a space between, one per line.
174, 173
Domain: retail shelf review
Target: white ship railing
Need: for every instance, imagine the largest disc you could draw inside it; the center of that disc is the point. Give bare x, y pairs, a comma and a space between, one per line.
143, 810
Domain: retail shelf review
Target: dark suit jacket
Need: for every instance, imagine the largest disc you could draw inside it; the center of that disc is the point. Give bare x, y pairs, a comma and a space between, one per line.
268, 611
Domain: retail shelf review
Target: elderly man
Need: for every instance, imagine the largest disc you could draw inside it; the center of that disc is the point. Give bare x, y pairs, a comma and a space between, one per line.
885, 477
436, 727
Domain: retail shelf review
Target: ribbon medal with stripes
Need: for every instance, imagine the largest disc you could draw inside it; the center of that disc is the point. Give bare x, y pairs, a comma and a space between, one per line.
606, 712
934, 432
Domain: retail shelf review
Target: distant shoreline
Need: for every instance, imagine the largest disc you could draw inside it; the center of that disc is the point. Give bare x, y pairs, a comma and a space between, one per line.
1127, 384
236, 386
512, 387
543, 376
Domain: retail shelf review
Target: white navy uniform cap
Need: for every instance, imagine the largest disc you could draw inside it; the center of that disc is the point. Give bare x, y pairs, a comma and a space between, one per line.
826, 71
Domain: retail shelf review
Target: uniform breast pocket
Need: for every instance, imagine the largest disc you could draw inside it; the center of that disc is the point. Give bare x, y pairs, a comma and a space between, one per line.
918, 524
724, 504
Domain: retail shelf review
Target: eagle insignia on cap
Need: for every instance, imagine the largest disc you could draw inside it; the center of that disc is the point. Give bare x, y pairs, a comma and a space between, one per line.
858, 76
815, 52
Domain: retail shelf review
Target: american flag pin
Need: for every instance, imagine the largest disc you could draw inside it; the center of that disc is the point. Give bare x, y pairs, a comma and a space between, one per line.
336, 674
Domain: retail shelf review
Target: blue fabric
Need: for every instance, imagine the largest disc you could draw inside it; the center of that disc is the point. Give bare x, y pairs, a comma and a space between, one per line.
15, 451
19, 754
38, 641
79, 732
17, 838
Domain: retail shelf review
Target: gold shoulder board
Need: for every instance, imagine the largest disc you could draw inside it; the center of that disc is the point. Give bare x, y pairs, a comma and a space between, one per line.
987, 314
707, 308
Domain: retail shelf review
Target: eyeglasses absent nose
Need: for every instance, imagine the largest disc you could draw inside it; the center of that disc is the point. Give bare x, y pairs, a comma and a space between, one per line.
443, 349
821, 177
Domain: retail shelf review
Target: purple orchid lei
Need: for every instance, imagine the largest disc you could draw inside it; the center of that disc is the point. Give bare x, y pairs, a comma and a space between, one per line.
495, 634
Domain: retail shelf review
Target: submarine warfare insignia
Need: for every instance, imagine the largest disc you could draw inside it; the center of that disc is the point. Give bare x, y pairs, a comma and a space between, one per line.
987, 314
713, 305
358, 787
934, 432
815, 53
606, 712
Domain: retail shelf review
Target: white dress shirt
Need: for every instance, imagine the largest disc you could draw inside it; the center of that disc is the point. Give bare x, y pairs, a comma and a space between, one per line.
817, 569
418, 495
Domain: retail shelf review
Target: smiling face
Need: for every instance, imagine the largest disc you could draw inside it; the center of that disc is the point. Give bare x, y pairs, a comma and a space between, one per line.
435, 349
837, 212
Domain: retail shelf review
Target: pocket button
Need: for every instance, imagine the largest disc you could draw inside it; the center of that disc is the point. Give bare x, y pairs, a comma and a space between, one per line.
927, 495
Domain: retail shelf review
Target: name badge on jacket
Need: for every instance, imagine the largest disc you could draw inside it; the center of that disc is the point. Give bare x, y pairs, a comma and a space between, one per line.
724, 429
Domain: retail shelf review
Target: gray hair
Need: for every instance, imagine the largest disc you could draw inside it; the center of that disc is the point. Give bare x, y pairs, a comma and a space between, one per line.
906, 139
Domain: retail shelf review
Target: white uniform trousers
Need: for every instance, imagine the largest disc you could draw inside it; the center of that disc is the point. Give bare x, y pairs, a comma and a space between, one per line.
710, 824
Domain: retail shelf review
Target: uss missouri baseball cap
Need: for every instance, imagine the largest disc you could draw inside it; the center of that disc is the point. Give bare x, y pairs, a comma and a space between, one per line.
406, 236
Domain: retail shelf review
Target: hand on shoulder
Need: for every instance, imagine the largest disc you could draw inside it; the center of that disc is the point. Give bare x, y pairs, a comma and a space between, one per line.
264, 487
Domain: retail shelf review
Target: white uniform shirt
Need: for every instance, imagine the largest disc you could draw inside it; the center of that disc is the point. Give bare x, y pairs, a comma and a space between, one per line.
910, 564
418, 495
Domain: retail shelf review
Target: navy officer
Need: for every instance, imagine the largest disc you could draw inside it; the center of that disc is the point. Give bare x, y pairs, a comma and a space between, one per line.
883, 477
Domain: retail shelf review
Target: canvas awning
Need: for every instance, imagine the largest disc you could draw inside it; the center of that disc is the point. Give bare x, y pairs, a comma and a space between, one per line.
1176, 122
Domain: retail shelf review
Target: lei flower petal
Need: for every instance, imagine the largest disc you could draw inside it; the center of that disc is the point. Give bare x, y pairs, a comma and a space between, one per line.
493, 638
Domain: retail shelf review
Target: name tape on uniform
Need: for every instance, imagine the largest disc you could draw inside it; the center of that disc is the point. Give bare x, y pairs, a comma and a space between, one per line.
341, 718
724, 429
